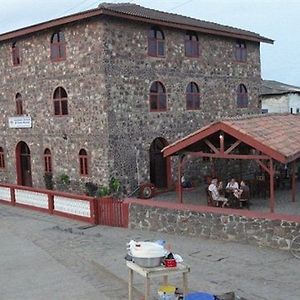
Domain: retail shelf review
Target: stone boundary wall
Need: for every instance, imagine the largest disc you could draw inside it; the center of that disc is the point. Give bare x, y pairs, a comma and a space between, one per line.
253, 227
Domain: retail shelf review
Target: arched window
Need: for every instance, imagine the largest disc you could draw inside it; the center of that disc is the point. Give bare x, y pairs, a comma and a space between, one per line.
58, 46
191, 45
158, 98
15, 54
60, 99
156, 42
192, 96
2, 162
240, 51
19, 105
83, 162
242, 96
47, 161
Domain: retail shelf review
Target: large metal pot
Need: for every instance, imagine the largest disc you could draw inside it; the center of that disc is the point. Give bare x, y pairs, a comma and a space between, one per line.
148, 262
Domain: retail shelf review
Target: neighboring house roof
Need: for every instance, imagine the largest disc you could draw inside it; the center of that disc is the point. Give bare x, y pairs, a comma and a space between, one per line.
276, 136
271, 87
142, 14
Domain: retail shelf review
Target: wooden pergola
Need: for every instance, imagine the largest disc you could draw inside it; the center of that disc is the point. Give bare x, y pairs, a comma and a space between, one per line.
264, 139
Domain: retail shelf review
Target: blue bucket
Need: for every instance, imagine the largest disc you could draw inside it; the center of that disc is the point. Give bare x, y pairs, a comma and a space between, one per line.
199, 296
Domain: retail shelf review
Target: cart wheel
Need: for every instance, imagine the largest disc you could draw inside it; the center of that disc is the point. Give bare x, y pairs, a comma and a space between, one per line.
147, 191
295, 246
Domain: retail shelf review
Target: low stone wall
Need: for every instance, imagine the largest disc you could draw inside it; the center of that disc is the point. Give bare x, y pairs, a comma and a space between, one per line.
263, 229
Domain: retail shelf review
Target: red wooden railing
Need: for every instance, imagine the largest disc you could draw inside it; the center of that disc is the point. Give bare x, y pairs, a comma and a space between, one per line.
104, 211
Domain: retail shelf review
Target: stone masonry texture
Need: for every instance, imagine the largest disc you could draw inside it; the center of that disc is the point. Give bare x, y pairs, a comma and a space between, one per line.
107, 75
261, 232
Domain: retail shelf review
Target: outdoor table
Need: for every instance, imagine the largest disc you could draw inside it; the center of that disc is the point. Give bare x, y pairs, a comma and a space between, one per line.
148, 273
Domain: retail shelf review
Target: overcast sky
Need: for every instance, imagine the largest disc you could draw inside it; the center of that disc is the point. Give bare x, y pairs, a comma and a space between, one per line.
275, 19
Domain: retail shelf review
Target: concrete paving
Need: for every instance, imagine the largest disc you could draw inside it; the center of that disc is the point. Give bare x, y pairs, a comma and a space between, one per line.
47, 257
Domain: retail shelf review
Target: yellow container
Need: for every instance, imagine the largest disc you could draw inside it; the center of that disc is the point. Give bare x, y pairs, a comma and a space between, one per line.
167, 290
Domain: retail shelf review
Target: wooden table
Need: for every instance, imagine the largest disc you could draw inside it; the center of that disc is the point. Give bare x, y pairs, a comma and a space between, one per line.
148, 273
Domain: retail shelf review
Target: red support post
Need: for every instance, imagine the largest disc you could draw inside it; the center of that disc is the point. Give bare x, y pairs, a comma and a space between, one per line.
94, 211
272, 198
12, 196
50, 203
294, 181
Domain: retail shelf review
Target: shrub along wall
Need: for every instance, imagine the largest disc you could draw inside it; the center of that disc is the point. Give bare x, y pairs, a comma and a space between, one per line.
263, 229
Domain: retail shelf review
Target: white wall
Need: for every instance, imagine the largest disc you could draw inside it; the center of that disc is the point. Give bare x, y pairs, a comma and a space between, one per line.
275, 103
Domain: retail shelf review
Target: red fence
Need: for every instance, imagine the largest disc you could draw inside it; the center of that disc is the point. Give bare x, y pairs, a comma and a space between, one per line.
105, 211
113, 212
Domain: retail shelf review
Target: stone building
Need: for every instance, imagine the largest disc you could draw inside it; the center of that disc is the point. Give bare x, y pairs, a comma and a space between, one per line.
278, 97
99, 93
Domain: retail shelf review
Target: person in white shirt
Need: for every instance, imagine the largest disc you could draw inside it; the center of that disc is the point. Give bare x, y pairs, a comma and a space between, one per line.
232, 185
213, 188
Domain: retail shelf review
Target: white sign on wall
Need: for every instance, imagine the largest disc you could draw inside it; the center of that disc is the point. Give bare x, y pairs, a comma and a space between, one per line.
19, 122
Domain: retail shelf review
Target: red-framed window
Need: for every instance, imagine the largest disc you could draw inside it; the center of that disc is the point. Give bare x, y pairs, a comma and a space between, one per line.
242, 96
60, 100
2, 161
83, 163
15, 53
192, 96
158, 97
19, 105
47, 161
240, 51
58, 46
191, 45
156, 42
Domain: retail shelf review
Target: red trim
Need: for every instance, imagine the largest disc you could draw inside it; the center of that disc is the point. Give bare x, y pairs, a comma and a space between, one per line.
191, 139
216, 210
244, 137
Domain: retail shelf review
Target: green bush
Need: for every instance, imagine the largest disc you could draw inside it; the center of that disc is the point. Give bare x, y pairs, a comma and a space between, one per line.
63, 182
114, 185
103, 191
48, 179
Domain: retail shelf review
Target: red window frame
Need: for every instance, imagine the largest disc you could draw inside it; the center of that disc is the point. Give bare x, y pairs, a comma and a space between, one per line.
58, 47
158, 97
240, 51
19, 105
242, 96
15, 53
83, 163
2, 160
156, 42
60, 102
191, 45
192, 96
47, 161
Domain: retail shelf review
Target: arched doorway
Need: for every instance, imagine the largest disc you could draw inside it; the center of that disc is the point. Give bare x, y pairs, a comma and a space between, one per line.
159, 166
23, 164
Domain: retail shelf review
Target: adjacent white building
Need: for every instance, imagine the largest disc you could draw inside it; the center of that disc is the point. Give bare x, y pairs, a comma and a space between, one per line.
277, 97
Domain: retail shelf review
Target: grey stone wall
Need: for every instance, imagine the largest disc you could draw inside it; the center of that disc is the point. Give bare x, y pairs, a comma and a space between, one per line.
107, 75
257, 231
130, 72
36, 79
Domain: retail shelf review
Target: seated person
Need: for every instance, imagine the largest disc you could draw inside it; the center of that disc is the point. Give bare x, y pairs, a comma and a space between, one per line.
232, 185
243, 188
213, 188
185, 183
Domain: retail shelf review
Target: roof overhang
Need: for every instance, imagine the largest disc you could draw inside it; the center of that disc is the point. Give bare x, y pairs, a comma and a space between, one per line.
180, 146
107, 12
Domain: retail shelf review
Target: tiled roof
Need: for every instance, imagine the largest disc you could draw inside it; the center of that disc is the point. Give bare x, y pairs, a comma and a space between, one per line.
271, 87
143, 14
277, 134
